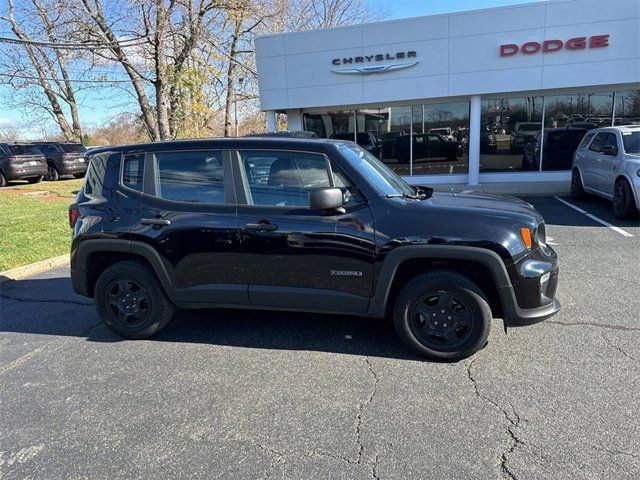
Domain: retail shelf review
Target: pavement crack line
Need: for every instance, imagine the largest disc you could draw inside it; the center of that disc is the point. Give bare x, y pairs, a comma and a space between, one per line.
513, 424
35, 300
358, 428
619, 348
279, 459
598, 325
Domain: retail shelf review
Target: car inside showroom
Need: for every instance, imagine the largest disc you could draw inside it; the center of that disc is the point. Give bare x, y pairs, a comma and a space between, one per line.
495, 95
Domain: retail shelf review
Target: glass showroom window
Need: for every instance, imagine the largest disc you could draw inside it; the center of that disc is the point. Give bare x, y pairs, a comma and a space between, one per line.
385, 133
567, 119
440, 138
338, 124
627, 107
507, 126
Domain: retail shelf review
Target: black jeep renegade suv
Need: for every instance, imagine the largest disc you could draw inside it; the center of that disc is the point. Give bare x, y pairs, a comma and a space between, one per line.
308, 225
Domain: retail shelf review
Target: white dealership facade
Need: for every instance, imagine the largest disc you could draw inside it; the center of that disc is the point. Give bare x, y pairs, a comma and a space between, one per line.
460, 98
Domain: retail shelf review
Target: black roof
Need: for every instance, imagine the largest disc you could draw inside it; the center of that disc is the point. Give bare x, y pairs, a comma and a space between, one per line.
55, 143
314, 144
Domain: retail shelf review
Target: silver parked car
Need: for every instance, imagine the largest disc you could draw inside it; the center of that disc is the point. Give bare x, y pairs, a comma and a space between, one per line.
607, 163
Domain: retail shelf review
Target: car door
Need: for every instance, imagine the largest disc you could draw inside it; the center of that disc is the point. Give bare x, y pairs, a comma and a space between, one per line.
609, 164
188, 218
296, 257
591, 160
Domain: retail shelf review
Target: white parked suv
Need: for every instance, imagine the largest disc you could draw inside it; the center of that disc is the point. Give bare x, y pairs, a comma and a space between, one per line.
607, 163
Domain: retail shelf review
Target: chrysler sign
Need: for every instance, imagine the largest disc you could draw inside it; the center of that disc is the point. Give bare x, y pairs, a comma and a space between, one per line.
548, 46
377, 63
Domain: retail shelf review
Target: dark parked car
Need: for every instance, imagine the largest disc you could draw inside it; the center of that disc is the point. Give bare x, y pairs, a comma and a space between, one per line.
488, 141
559, 145
366, 140
63, 159
21, 161
522, 134
427, 146
330, 228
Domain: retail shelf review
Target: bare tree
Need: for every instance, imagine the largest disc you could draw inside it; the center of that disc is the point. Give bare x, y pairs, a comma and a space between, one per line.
46, 67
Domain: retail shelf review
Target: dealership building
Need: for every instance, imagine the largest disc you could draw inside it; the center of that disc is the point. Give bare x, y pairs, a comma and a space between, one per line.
494, 95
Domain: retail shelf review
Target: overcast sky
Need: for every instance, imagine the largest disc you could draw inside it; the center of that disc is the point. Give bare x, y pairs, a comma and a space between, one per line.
95, 109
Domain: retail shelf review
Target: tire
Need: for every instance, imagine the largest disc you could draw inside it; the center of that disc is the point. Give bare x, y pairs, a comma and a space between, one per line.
52, 173
425, 333
131, 301
623, 201
34, 179
577, 189
78, 175
3, 180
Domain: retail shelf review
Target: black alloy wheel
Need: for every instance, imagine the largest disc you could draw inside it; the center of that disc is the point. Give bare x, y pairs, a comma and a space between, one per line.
441, 320
129, 303
623, 201
442, 315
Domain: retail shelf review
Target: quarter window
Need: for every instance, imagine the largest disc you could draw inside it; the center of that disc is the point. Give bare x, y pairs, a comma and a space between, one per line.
191, 176
132, 171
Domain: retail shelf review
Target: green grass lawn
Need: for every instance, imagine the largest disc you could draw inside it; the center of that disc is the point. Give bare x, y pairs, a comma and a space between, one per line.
35, 228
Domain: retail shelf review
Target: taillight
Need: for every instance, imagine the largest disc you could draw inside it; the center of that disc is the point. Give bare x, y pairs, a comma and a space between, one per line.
73, 215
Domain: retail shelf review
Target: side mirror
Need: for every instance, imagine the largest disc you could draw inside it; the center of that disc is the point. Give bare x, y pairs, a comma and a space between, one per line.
609, 150
326, 198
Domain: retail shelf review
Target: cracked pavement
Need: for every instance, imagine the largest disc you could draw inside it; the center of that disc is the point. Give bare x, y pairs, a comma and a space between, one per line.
249, 395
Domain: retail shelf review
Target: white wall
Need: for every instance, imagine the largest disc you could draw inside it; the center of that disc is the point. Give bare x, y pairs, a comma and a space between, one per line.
458, 55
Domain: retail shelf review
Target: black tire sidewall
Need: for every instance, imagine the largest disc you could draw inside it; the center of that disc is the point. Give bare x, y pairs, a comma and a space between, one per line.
578, 190
161, 307
458, 286
629, 207
52, 173
3, 180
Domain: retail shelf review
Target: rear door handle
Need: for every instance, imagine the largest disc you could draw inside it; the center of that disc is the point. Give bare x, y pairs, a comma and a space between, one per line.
156, 222
261, 227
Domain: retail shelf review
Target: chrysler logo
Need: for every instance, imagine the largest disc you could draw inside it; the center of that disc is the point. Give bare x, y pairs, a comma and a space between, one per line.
369, 63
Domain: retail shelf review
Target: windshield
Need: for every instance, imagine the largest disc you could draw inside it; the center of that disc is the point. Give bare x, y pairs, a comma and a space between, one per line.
72, 147
24, 150
631, 141
383, 179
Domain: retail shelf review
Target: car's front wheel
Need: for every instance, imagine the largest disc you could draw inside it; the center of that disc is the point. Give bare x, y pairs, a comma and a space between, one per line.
131, 301
576, 184
442, 316
623, 202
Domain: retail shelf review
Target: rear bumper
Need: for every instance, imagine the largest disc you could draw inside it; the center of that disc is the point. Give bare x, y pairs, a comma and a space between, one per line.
16, 172
71, 168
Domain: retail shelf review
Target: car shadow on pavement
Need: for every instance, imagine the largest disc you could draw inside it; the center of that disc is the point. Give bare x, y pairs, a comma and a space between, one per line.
48, 306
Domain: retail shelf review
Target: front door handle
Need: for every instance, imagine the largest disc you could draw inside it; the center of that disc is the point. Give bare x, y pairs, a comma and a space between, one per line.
261, 226
156, 222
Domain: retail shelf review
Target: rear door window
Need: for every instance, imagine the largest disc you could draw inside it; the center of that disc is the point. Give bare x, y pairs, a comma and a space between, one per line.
190, 176
585, 141
598, 142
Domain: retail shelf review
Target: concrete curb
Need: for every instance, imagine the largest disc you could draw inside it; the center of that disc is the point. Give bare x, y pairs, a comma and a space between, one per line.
33, 268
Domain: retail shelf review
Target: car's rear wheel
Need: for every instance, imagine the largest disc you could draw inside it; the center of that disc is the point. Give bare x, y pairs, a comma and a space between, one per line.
623, 202
37, 179
131, 301
52, 173
576, 184
3, 180
442, 316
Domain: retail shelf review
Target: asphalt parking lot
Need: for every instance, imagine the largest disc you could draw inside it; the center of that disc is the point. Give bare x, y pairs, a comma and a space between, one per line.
238, 394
